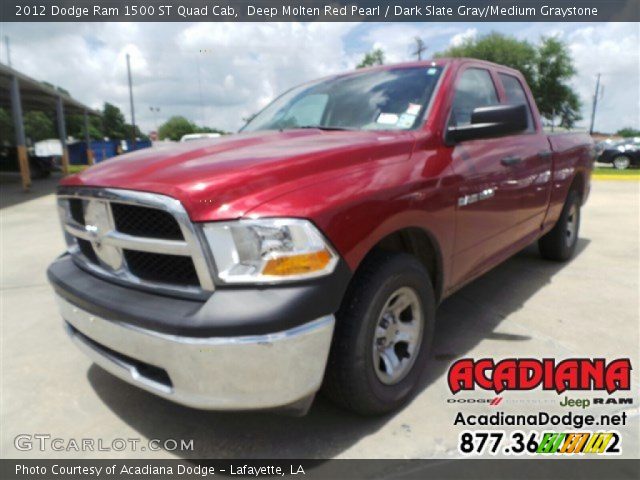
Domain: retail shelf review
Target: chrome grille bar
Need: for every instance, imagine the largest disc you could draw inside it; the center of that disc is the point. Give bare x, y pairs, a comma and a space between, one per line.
108, 237
130, 242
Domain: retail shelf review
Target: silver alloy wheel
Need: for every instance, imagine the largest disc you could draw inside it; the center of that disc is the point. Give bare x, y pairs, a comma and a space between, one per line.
621, 162
398, 335
571, 231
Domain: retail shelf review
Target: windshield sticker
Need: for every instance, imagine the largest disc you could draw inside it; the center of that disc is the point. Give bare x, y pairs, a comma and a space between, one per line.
406, 120
432, 71
413, 109
387, 118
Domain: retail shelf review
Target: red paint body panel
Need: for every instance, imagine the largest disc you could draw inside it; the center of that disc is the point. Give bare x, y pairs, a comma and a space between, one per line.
359, 187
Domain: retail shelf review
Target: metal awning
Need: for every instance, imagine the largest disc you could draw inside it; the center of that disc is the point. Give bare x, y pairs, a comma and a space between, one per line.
35, 95
20, 92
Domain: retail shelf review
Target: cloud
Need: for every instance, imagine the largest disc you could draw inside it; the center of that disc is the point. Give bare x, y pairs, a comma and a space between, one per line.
213, 73
460, 38
612, 50
397, 39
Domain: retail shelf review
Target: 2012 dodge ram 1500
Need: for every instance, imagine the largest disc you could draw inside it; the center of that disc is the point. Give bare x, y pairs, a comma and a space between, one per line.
312, 248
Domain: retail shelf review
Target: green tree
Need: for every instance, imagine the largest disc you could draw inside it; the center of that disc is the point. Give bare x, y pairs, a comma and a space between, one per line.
75, 126
375, 57
628, 132
38, 126
113, 122
547, 67
175, 128
498, 48
139, 133
209, 130
554, 68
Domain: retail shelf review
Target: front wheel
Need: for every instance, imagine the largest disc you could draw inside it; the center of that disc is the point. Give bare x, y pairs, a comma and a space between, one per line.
560, 243
383, 334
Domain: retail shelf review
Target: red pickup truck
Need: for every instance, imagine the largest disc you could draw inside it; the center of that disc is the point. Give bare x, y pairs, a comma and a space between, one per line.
312, 248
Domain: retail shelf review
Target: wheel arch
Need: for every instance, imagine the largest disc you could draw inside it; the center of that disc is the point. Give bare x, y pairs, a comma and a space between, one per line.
418, 242
579, 184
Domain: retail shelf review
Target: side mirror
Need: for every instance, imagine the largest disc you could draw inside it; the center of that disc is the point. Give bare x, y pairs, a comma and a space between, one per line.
493, 121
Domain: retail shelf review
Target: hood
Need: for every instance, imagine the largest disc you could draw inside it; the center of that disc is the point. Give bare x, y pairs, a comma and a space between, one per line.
225, 178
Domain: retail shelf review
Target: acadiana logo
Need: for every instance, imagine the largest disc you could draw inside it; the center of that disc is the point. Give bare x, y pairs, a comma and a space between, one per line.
530, 373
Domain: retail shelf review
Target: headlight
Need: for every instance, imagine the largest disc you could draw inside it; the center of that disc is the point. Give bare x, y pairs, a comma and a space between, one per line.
269, 250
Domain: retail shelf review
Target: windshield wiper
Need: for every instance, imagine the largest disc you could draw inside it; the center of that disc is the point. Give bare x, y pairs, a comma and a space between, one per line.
319, 127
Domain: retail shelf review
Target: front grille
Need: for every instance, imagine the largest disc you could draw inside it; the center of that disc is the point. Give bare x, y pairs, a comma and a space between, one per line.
145, 222
161, 268
143, 239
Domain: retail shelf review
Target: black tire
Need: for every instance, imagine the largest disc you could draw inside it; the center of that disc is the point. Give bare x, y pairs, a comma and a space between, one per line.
351, 380
558, 245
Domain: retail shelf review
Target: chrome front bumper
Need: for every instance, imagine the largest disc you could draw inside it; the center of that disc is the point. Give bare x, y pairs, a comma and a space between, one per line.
221, 373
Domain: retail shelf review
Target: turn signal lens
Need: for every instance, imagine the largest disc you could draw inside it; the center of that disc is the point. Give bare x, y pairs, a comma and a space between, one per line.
297, 264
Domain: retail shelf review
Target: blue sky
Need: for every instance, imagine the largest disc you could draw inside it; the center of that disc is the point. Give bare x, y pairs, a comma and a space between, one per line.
219, 73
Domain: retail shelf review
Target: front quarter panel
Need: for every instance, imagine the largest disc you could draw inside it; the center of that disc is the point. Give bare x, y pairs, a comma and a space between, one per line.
357, 209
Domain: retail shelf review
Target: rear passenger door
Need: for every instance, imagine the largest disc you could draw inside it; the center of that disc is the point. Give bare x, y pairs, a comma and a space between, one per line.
532, 172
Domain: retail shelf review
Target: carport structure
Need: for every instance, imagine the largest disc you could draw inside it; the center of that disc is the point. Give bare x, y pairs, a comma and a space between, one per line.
20, 92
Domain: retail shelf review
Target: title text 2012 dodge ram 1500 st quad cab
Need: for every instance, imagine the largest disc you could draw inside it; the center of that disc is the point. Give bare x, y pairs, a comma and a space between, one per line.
312, 248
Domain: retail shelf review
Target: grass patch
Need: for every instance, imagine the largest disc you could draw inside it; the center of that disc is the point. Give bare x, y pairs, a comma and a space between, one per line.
632, 172
77, 168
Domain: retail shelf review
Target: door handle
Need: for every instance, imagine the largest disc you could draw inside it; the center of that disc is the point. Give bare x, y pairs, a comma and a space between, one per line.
544, 154
510, 161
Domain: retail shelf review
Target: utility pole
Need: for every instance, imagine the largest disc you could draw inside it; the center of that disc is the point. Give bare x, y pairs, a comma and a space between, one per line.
202, 111
8, 49
420, 48
133, 114
595, 105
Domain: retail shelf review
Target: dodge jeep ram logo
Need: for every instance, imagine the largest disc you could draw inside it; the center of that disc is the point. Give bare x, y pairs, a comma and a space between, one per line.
99, 223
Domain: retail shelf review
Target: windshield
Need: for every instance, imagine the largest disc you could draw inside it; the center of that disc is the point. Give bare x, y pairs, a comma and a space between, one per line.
392, 99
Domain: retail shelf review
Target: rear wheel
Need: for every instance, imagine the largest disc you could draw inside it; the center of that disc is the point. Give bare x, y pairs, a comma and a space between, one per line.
560, 243
383, 334
621, 162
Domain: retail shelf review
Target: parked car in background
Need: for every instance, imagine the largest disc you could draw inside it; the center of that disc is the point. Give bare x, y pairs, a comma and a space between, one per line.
41, 163
198, 136
622, 154
313, 247
48, 148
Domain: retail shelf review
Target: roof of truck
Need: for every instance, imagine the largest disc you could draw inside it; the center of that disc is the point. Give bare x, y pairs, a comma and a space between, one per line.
438, 62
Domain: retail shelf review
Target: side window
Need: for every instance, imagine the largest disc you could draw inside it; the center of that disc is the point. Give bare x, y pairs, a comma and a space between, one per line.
516, 96
475, 88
